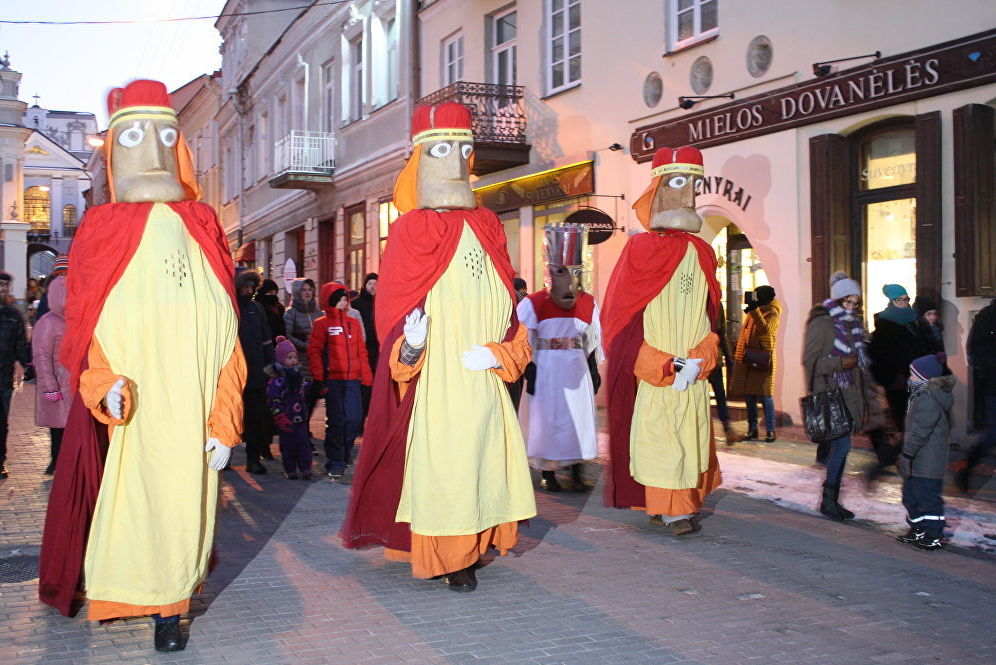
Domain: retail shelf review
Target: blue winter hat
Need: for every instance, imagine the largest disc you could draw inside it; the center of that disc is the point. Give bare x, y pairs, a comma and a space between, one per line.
893, 291
928, 367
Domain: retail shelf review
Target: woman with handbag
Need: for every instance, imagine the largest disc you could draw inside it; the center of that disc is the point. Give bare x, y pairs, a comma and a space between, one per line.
754, 359
834, 357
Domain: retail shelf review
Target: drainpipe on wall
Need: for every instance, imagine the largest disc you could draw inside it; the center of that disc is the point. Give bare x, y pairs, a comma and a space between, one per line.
415, 52
307, 87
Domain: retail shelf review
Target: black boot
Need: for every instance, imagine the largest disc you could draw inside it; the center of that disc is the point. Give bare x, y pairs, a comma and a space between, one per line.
847, 514
829, 506
751, 434
577, 477
462, 580
769, 437
912, 536
548, 481
167, 633
255, 467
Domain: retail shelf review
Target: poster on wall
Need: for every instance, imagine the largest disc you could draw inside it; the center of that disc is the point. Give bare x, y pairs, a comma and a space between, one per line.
290, 274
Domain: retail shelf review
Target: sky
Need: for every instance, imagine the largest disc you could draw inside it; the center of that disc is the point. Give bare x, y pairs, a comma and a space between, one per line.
72, 68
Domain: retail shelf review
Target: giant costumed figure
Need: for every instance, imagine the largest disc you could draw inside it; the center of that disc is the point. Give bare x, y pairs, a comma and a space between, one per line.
566, 339
443, 474
659, 319
152, 344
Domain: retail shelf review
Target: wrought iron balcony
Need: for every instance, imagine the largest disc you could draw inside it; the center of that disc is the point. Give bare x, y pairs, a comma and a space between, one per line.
499, 122
303, 160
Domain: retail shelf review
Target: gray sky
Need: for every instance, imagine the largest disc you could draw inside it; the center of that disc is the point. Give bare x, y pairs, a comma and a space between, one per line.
73, 67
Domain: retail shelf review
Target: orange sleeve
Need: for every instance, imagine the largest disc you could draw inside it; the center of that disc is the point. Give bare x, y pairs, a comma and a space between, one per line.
225, 421
513, 356
96, 380
401, 373
708, 351
654, 366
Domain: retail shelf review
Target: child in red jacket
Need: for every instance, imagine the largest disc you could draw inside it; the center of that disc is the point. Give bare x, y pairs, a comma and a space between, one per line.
337, 355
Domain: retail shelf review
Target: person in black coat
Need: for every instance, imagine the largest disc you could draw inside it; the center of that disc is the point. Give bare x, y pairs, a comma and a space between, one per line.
982, 354
928, 328
13, 348
364, 304
257, 347
267, 297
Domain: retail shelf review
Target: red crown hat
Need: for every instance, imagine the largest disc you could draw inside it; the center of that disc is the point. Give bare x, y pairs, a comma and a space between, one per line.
142, 95
449, 121
672, 160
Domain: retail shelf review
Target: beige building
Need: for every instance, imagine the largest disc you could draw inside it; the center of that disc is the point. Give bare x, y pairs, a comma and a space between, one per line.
810, 168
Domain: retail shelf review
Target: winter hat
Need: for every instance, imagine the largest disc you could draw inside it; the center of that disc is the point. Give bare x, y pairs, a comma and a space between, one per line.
764, 294
923, 305
925, 368
60, 267
842, 286
518, 283
893, 291
283, 349
267, 286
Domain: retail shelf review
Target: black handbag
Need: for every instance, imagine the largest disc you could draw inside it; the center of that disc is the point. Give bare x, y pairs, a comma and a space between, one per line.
757, 358
825, 414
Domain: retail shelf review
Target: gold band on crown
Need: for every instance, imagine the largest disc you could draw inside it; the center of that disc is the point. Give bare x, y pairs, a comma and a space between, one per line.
142, 113
664, 169
443, 134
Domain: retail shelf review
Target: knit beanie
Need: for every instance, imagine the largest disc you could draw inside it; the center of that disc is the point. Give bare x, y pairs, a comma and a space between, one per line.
60, 267
923, 305
268, 285
284, 348
842, 286
928, 367
764, 295
893, 291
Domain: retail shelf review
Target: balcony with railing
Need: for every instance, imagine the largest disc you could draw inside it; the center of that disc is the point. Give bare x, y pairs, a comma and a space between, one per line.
499, 122
303, 160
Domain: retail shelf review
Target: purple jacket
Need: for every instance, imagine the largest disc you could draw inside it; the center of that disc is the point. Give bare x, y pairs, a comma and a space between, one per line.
52, 376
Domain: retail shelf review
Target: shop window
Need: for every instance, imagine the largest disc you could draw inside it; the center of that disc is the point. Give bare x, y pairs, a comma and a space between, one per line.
68, 220
738, 270
37, 208
356, 225
888, 159
386, 214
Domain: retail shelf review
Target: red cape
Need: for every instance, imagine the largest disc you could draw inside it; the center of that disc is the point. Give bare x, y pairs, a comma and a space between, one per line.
645, 266
420, 248
103, 247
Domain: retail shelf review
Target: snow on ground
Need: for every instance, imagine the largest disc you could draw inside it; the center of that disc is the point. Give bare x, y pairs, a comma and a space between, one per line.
970, 524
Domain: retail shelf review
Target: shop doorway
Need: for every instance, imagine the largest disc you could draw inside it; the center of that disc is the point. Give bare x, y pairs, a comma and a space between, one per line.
738, 270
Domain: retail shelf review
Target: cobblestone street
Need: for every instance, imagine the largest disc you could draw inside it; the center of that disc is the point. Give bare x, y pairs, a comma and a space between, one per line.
758, 584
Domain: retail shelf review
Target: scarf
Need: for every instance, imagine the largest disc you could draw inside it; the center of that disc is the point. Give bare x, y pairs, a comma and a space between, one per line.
849, 339
900, 315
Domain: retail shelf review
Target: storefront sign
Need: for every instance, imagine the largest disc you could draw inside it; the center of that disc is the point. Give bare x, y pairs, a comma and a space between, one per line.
574, 180
963, 63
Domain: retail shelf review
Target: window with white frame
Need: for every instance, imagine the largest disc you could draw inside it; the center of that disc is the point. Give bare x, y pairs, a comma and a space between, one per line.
230, 167
299, 113
328, 96
504, 33
691, 21
250, 156
264, 145
356, 78
563, 54
390, 26
452, 57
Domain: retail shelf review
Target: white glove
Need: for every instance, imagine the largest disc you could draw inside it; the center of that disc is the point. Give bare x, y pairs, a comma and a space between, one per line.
478, 358
688, 373
222, 453
416, 328
115, 400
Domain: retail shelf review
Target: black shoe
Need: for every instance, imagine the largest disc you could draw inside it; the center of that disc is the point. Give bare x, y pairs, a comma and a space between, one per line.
961, 478
268, 456
769, 437
911, 536
337, 474
577, 477
290, 476
463, 581
548, 481
256, 467
50, 469
3, 471
830, 507
167, 635
751, 435
928, 543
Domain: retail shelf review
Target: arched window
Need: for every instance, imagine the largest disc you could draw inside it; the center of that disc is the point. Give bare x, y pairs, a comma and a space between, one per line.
37, 208
68, 219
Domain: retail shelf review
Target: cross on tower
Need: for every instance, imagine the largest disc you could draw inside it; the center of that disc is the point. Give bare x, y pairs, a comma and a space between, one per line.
35, 97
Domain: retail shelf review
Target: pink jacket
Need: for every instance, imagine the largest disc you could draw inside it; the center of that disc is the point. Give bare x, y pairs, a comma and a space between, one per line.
52, 376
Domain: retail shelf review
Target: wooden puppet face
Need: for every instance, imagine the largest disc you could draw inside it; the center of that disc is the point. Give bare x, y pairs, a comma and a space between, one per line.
444, 175
565, 283
674, 203
143, 161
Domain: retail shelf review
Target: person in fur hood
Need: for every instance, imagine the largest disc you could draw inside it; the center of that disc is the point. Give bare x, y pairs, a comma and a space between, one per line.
924, 458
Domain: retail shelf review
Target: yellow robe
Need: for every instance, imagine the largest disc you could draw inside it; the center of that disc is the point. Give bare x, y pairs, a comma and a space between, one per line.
465, 466
168, 326
671, 431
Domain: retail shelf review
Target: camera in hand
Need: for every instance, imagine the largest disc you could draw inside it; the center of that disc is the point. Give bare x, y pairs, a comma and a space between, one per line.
749, 298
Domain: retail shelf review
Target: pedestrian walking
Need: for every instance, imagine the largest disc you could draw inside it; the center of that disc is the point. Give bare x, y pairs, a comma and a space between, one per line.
716, 380
286, 397
257, 347
298, 321
337, 355
834, 353
13, 348
754, 359
53, 386
924, 458
982, 353
272, 307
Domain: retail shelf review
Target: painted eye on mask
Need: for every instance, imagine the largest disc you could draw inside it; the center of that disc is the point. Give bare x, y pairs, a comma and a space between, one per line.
132, 136
466, 150
168, 136
441, 149
678, 181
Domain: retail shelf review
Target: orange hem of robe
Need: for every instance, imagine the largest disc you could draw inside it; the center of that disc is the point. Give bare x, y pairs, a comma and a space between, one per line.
432, 556
101, 610
672, 503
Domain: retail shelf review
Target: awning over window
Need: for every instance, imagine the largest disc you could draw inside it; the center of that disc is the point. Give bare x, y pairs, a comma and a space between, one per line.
246, 253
